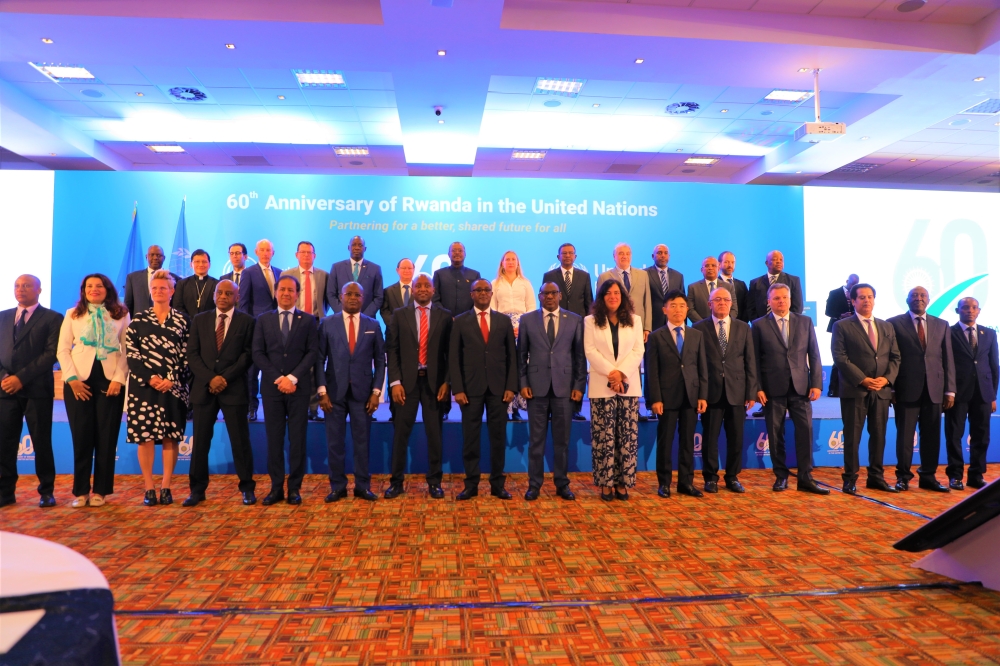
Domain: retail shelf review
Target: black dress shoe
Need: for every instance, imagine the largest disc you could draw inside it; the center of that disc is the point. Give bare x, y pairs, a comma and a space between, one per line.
531, 495
336, 495
294, 497
565, 493
149, 499
165, 496
880, 484
735, 486
643, 417
435, 492
607, 497
934, 485
902, 486
252, 416
500, 494
663, 491
516, 415
444, 417
758, 414
976, 483
7, 501
273, 497
249, 498
850, 487
314, 416
365, 494
621, 496
392, 492
193, 500
711, 487
47, 500
811, 487
467, 494
956, 484
685, 489
779, 485
579, 417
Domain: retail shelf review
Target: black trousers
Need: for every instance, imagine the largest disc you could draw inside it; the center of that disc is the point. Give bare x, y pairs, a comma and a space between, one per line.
336, 441
540, 409
909, 415
496, 426
834, 389
733, 417
253, 388
239, 438
291, 412
977, 411
38, 413
682, 421
854, 412
800, 410
403, 420
95, 424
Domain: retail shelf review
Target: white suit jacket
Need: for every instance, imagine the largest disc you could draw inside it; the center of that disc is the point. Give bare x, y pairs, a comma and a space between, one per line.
601, 355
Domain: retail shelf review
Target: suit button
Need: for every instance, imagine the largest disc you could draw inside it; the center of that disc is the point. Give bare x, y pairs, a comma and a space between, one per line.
284, 354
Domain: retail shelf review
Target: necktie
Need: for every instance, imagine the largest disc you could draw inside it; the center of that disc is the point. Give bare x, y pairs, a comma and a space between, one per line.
664, 282
628, 283
220, 332
286, 326
356, 271
871, 333
19, 326
973, 340
568, 279
406, 295
236, 278
550, 330
483, 327
723, 340
307, 296
711, 288
921, 333
784, 329
770, 281
269, 276
422, 358
351, 337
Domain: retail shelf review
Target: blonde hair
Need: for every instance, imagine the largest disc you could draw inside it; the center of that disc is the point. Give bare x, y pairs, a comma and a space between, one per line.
500, 272
164, 275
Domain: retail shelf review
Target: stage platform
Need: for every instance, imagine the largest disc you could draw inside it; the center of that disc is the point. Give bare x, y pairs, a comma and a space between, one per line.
760, 578
828, 442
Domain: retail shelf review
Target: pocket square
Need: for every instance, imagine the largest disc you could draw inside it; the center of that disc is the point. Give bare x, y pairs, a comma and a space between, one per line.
369, 332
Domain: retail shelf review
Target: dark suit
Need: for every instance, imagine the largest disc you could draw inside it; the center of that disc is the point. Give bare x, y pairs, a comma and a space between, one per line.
369, 277
420, 385
732, 381
741, 291
231, 276
923, 379
483, 371
392, 300
675, 280
577, 299
757, 294
452, 288
856, 359
977, 374
678, 380
697, 299
136, 297
786, 373
255, 299
276, 358
552, 370
193, 296
29, 358
231, 361
837, 305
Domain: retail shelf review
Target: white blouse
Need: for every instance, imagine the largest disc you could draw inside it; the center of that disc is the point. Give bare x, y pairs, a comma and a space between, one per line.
518, 296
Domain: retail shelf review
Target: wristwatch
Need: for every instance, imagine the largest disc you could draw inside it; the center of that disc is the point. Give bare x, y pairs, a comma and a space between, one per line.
377, 392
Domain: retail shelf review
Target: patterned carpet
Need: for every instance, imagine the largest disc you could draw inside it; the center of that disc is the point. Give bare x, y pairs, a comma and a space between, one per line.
599, 576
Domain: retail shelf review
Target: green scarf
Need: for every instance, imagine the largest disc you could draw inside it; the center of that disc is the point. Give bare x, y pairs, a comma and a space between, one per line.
101, 333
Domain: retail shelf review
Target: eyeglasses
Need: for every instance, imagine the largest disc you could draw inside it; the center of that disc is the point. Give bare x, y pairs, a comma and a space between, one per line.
481, 291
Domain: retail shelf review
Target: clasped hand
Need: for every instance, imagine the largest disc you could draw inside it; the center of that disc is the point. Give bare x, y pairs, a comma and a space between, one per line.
874, 383
285, 385
159, 383
617, 380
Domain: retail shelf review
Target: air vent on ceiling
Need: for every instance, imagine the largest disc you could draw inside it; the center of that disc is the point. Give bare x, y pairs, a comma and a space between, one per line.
988, 107
251, 160
856, 167
623, 168
682, 108
185, 94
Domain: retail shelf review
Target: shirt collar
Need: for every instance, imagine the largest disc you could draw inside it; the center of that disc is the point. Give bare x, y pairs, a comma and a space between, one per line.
356, 315
717, 320
219, 313
31, 309
966, 327
487, 310
281, 309
913, 316
546, 313
305, 270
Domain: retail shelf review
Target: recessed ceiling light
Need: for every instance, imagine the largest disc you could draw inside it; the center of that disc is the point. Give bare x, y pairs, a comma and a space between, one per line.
161, 148
92, 93
702, 161
803, 70
52, 154
59, 73
351, 151
442, 52
798, 172
46, 40
639, 61
996, 123
139, 94
527, 154
910, 5
913, 159
563, 87
865, 138
687, 170
679, 150
440, 121
979, 78
788, 95
724, 111
596, 105
281, 97
230, 46
319, 78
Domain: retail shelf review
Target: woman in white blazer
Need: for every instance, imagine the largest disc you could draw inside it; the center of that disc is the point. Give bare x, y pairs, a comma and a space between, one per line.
91, 354
612, 340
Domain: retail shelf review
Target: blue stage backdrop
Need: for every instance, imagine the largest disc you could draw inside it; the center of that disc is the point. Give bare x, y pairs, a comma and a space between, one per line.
418, 218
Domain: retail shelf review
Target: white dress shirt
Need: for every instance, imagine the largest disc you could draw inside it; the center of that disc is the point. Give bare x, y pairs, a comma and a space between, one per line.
347, 325
292, 378
517, 296
870, 322
787, 324
555, 320
975, 331
725, 325
228, 321
479, 319
673, 333
20, 308
708, 285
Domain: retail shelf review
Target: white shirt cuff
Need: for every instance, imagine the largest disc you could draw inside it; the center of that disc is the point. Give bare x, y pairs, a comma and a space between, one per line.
395, 383
292, 378
321, 390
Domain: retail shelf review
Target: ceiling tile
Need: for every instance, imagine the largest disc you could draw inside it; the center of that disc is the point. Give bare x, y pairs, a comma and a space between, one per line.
66, 108
339, 113
962, 14
238, 112
220, 77
328, 97
784, 6
119, 74
608, 105
244, 96
270, 78
150, 94
641, 107
368, 80
209, 112
22, 71
76, 90
723, 4
110, 109
708, 125
45, 91
551, 104
291, 112
168, 76
209, 154
716, 109
512, 84
366, 114
292, 97
742, 95
704, 95
600, 88
507, 101
845, 8
768, 111
377, 98
660, 91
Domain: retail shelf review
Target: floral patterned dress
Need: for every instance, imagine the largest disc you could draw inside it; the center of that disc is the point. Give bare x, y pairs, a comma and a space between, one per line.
155, 349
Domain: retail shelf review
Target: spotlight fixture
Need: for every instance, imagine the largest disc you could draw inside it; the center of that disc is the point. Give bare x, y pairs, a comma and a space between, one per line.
350, 151
910, 6
320, 78
913, 159
230, 46
701, 161
793, 96
596, 105
679, 150
639, 61
52, 154
442, 52
60, 73
979, 78
139, 94
865, 138
563, 87
724, 111
798, 172
803, 70
527, 154
281, 97
164, 148
440, 121
46, 40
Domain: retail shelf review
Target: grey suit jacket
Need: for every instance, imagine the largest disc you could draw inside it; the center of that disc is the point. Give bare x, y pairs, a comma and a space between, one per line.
392, 300
320, 302
642, 301
935, 366
561, 365
856, 359
780, 366
697, 298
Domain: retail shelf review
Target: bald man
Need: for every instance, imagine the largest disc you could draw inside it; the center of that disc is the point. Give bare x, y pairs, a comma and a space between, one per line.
137, 282
356, 269
29, 335
757, 300
257, 297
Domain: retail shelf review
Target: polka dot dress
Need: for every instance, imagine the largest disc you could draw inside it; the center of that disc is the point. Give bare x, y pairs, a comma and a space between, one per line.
155, 349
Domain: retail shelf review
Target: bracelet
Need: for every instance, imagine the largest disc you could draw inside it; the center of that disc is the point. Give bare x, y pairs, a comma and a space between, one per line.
71, 379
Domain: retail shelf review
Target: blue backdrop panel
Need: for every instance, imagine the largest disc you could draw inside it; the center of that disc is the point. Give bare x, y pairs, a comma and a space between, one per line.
92, 219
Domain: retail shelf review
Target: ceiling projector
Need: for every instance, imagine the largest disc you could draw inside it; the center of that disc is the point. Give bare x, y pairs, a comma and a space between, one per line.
820, 131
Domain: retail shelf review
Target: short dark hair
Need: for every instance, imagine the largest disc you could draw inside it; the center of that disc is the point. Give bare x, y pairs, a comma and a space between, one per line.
298, 287
673, 295
724, 253
566, 245
240, 245
860, 285
199, 252
301, 243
